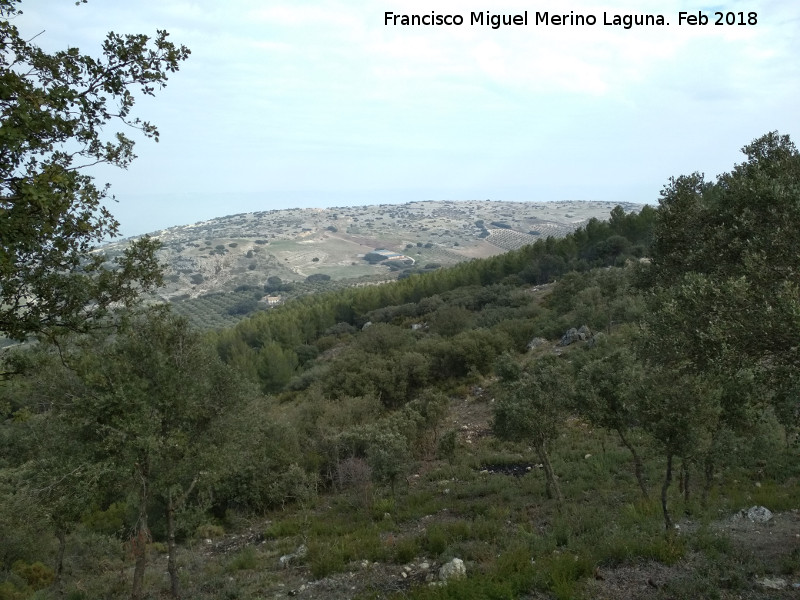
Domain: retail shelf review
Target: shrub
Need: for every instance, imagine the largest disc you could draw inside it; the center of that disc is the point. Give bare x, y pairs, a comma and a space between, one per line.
318, 277
209, 530
246, 560
292, 485
109, 521
446, 448
37, 575
8, 591
243, 307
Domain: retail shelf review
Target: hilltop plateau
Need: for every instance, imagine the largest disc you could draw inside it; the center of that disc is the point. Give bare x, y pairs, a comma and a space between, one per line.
218, 270
245, 249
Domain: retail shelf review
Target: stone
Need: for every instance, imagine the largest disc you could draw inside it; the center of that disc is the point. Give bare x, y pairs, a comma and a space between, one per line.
454, 569
570, 337
536, 343
287, 559
773, 583
757, 514
366, 326
596, 339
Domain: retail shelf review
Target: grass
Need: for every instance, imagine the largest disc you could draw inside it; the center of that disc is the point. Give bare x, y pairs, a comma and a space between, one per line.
512, 538
514, 541
246, 559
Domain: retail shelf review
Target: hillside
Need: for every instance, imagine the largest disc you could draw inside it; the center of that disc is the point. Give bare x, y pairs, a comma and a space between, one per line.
222, 254
613, 414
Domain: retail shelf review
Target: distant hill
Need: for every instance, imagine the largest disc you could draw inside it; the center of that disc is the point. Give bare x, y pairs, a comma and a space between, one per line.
242, 251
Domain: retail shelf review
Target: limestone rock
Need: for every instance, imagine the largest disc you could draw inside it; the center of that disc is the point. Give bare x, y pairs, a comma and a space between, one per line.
454, 569
754, 514
573, 335
759, 514
536, 343
287, 559
570, 337
773, 583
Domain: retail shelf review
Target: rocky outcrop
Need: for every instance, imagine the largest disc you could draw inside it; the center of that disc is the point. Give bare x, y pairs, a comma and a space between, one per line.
573, 335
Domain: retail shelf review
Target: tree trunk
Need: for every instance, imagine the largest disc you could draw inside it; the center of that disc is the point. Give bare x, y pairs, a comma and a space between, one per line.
58, 582
638, 469
551, 483
685, 480
664, 488
709, 475
141, 536
172, 567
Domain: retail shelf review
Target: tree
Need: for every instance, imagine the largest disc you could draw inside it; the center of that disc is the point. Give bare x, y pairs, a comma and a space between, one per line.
532, 408
608, 397
723, 284
149, 408
56, 112
387, 456
681, 412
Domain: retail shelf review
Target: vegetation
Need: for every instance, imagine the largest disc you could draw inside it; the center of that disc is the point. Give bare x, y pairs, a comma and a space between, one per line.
57, 110
433, 417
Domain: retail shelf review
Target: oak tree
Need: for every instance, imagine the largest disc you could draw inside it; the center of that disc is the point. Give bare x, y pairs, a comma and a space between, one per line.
58, 113
532, 409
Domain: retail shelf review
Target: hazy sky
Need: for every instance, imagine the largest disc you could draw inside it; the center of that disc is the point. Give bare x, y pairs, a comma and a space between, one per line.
319, 103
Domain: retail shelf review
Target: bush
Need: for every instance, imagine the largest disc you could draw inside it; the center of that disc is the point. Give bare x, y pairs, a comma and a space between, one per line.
243, 307
446, 448
37, 575
110, 521
292, 485
209, 530
373, 258
8, 591
318, 278
246, 560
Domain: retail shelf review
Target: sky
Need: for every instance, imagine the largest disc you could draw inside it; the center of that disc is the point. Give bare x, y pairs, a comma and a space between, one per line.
317, 103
